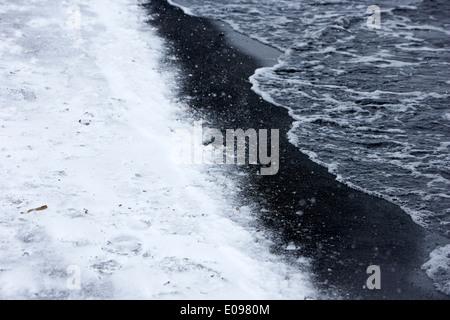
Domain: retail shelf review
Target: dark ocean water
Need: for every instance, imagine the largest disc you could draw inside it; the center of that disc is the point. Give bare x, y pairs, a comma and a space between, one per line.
370, 104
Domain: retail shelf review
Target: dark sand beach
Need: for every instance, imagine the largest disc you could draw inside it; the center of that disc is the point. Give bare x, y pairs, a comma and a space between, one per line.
343, 230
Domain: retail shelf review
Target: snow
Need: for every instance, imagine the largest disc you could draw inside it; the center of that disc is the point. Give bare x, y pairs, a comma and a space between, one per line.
86, 114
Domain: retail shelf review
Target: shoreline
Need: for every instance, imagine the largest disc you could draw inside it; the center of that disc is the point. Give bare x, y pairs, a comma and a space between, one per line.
343, 230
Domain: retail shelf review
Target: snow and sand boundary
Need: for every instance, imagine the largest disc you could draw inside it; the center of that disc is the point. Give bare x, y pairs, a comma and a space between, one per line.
360, 229
85, 130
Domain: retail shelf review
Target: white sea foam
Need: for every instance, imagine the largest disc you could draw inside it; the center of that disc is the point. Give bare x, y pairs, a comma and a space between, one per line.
438, 268
185, 9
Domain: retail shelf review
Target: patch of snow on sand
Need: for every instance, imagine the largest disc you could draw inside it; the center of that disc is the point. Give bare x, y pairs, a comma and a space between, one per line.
85, 118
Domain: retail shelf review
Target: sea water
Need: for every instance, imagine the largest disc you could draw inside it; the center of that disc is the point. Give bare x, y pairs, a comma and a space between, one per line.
370, 102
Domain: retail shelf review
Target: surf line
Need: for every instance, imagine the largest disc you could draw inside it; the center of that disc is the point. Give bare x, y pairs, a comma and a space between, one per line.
206, 146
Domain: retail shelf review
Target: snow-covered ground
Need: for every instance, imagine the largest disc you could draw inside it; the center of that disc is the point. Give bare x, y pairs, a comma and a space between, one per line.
86, 114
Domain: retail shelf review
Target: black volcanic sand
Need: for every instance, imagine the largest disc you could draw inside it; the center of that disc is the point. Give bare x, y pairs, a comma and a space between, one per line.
343, 230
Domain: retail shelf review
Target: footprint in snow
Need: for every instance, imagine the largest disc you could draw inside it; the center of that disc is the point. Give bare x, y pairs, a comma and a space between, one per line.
123, 245
106, 267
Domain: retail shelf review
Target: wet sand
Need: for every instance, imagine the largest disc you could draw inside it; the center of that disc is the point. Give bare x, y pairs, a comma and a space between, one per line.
341, 229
